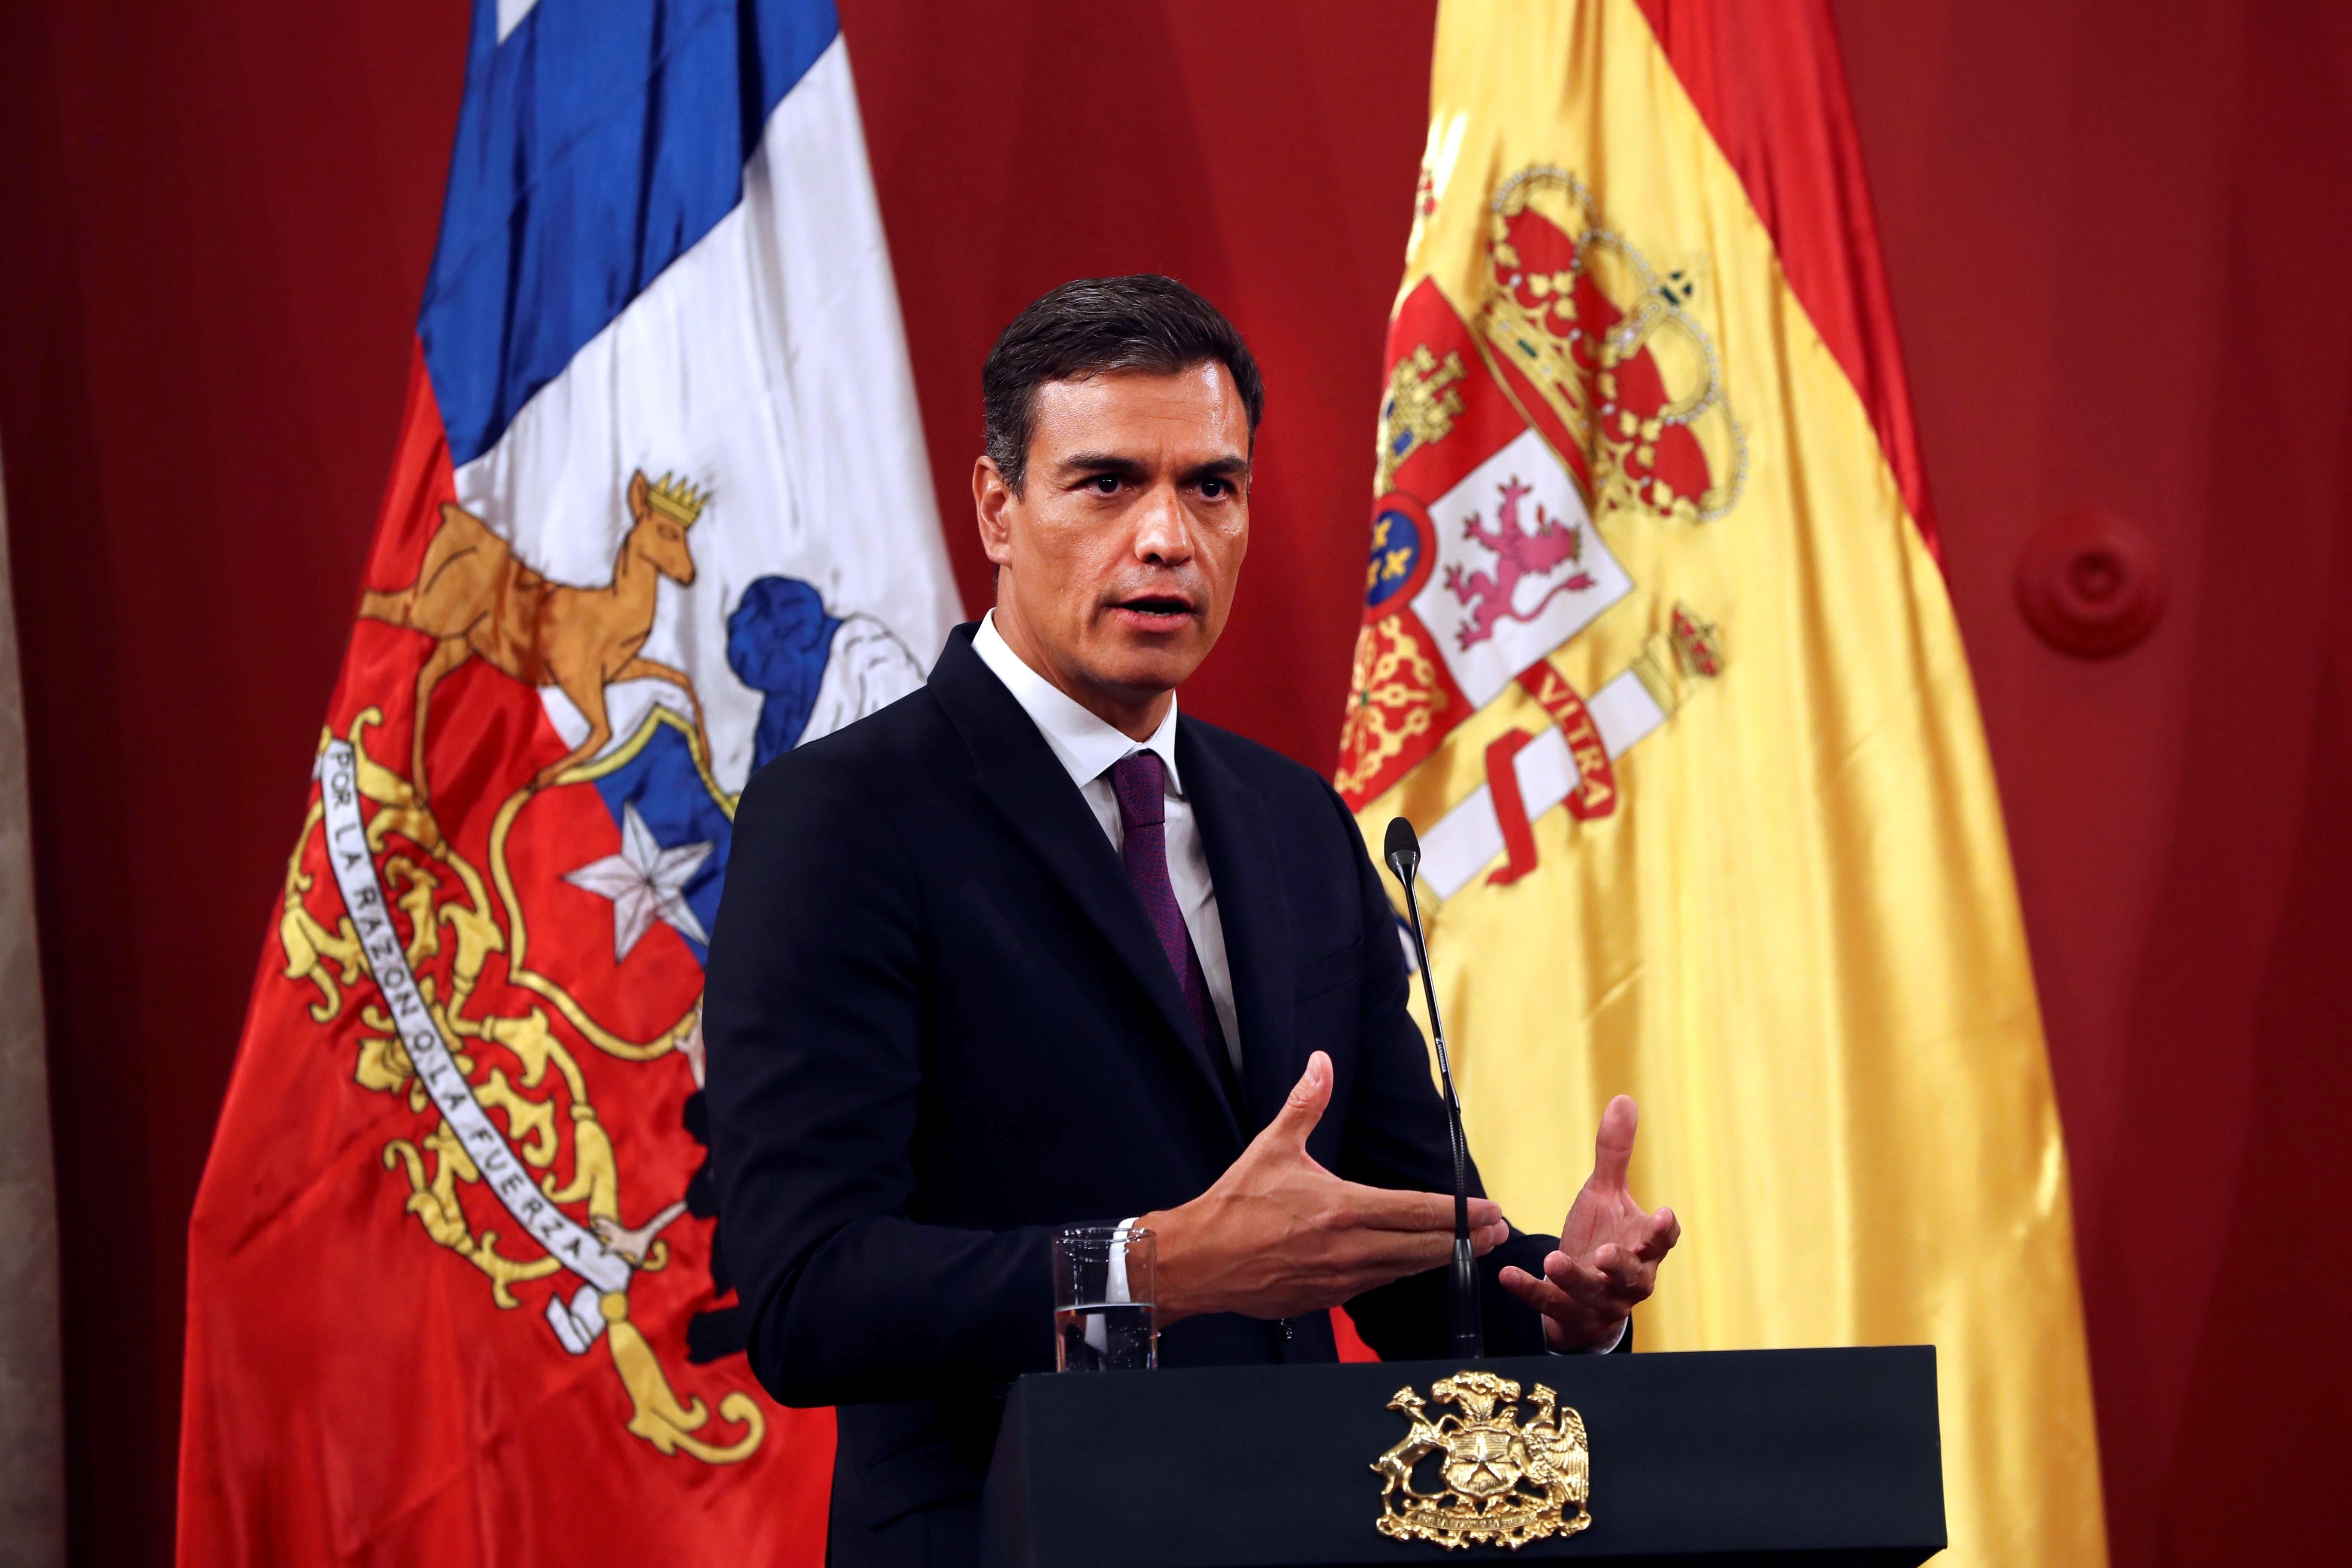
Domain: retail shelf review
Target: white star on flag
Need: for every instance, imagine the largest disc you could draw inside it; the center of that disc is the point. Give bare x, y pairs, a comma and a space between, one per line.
646, 882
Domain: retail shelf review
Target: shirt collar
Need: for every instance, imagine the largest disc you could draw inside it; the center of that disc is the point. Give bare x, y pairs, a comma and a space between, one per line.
1081, 742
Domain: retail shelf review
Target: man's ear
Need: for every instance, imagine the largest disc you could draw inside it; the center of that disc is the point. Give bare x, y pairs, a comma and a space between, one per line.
992, 499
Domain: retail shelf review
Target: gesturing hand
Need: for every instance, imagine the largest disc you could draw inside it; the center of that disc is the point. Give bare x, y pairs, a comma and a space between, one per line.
1609, 1250
1278, 1235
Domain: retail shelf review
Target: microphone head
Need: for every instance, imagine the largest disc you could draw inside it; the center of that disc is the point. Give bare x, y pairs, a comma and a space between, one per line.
1403, 849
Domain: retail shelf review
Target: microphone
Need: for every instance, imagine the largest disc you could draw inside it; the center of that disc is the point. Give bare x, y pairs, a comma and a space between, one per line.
1403, 849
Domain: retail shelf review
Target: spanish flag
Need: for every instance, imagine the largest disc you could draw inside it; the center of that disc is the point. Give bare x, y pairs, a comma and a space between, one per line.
1658, 658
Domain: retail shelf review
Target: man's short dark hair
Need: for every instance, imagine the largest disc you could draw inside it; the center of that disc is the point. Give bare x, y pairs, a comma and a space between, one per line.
1095, 325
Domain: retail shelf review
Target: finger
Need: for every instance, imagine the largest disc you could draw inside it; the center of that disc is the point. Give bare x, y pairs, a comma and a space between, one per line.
1578, 1280
1578, 1318
1383, 1208
1627, 1279
1411, 1251
1484, 1238
1665, 1230
1305, 1107
1541, 1294
1613, 1146
1396, 1253
1620, 1267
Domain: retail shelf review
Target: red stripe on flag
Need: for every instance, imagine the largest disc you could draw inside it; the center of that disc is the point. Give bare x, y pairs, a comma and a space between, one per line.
1770, 85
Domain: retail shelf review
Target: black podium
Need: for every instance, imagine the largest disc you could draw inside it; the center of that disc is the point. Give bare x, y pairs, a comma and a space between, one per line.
1784, 1458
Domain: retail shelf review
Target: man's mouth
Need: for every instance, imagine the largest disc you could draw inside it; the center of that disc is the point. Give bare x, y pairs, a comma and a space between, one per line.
1154, 612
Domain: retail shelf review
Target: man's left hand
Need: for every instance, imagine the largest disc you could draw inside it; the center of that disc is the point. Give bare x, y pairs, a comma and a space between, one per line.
1609, 1250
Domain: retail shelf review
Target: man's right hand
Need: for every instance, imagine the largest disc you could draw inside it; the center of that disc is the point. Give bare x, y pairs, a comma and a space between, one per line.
1279, 1234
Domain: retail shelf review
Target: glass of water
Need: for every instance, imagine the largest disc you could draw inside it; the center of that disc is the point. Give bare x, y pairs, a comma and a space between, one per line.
1106, 1298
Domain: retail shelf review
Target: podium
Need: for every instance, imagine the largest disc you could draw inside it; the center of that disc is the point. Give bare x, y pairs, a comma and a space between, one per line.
1785, 1457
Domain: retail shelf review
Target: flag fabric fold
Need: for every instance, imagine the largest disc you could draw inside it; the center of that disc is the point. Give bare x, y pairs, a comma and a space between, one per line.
661, 512
1657, 656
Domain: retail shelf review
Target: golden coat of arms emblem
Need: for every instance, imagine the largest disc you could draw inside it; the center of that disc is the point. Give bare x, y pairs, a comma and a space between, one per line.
1507, 1481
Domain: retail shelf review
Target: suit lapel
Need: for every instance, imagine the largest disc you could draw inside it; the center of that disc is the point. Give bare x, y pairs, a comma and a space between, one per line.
1018, 775
1255, 916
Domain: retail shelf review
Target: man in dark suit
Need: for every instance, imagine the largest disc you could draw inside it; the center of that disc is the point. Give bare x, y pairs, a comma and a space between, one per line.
1027, 950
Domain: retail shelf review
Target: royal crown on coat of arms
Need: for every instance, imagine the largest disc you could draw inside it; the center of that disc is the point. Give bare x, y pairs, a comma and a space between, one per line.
1609, 344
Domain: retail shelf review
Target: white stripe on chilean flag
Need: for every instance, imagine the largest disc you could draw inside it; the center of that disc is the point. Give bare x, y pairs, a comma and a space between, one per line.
662, 251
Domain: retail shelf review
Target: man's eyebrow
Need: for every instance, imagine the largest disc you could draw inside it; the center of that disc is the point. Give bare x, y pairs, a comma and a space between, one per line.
1232, 466
1099, 463
1081, 465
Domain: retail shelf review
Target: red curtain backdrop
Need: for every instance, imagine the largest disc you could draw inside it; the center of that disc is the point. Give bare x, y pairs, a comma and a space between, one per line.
2114, 234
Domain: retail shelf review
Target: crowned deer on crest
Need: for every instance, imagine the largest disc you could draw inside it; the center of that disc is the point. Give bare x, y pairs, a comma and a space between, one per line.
475, 600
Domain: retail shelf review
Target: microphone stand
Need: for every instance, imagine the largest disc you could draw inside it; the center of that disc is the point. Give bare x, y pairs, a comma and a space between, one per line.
1403, 854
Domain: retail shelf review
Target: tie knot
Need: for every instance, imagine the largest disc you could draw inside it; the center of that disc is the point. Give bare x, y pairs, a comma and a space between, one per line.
1141, 785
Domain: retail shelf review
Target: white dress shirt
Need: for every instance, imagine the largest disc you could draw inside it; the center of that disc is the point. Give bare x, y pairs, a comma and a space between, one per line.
1087, 749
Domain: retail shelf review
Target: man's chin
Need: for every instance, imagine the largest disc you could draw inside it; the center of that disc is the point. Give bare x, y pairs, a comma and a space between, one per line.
1147, 663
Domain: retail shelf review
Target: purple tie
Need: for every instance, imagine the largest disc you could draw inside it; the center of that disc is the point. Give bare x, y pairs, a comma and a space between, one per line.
1141, 783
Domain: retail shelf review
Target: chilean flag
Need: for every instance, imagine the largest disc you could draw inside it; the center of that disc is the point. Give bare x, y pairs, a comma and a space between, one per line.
660, 512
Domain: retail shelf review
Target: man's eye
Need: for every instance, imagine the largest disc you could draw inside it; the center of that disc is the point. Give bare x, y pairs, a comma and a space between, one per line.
1105, 484
1213, 488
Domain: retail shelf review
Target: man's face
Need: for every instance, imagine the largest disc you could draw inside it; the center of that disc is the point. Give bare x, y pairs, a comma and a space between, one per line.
1117, 560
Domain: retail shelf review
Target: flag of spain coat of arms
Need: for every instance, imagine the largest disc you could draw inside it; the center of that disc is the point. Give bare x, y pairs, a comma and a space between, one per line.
661, 512
1657, 656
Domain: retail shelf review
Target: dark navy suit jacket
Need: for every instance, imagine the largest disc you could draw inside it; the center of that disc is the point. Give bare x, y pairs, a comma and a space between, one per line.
940, 1026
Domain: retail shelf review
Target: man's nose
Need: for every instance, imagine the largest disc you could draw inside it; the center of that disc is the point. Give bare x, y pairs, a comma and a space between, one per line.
1163, 528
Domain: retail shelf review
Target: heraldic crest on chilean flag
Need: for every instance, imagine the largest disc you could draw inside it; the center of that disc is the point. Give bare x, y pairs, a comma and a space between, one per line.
661, 513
